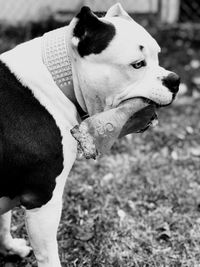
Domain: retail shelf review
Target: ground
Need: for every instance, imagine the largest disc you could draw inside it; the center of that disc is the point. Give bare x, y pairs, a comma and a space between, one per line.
139, 205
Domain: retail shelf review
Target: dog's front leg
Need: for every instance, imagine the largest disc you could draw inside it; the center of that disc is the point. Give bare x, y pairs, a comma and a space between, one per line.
8, 244
42, 225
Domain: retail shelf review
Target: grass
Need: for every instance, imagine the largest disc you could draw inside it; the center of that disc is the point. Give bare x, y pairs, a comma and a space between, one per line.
139, 205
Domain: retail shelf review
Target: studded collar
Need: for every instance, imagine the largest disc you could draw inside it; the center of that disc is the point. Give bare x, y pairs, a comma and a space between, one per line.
56, 57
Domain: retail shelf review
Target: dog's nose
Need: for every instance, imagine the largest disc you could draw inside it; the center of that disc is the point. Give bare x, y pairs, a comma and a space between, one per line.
172, 82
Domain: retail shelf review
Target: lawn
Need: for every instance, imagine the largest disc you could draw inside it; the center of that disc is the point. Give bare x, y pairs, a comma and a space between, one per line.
139, 205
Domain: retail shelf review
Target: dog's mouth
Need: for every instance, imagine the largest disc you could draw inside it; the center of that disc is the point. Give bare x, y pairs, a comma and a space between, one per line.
97, 133
142, 119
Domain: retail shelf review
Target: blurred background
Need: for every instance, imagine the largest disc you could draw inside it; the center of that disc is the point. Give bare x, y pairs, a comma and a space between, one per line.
139, 205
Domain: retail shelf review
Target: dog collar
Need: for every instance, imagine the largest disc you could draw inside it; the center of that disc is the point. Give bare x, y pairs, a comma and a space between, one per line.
56, 57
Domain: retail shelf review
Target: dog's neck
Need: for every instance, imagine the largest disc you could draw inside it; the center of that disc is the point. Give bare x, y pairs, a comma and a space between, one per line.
56, 57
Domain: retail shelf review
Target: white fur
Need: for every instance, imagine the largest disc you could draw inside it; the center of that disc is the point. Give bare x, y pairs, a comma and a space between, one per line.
118, 11
9, 245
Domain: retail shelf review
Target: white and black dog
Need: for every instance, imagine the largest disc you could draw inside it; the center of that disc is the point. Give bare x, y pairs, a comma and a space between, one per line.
90, 66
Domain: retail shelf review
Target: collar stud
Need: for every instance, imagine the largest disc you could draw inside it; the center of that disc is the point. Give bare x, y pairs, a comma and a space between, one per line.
56, 57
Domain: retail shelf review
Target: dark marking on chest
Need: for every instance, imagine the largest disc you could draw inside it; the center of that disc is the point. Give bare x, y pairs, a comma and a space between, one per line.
94, 34
31, 155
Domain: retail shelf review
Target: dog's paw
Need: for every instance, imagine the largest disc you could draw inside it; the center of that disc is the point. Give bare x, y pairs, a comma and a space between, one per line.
16, 246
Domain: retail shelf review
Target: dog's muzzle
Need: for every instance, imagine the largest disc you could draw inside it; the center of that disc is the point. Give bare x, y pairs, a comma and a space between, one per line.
98, 133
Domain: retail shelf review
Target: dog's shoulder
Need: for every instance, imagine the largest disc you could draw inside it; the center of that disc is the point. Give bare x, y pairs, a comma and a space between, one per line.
31, 142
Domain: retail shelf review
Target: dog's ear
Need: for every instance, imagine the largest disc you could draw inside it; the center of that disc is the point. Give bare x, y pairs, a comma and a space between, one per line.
91, 35
117, 11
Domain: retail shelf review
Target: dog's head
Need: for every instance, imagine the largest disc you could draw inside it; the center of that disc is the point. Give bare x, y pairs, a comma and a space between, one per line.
115, 59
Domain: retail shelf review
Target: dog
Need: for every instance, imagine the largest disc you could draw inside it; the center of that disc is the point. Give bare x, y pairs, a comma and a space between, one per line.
46, 86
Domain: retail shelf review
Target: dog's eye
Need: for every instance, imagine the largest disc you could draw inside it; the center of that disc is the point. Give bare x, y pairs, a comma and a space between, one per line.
139, 64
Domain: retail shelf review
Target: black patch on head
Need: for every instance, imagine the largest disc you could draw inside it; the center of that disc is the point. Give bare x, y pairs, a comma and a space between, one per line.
94, 35
31, 155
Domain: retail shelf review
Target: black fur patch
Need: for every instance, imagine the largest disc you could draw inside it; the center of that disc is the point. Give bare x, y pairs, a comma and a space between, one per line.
31, 155
94, 34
